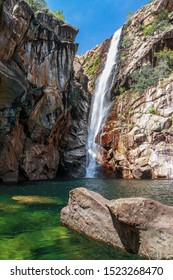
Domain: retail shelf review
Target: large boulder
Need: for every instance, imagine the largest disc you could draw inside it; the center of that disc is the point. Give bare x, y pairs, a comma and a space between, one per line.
87, 213
137, 225
144, 226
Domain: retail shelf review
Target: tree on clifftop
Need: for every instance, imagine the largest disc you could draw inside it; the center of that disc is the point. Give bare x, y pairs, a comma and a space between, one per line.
41, 5
38, 5
58, 14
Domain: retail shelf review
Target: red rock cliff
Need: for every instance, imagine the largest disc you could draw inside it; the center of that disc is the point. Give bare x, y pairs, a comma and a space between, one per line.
43, 106
137, 137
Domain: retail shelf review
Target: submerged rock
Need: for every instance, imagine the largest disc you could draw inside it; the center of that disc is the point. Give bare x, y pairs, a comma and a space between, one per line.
137, 225
34, 199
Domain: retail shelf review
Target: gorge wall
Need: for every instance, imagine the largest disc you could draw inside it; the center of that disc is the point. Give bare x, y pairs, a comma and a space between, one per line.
137, 137
43, 103
44, 99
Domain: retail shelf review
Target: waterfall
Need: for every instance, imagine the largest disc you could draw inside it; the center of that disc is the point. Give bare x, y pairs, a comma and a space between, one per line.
101, 102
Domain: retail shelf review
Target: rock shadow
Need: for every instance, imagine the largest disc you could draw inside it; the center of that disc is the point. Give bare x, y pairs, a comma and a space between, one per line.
129, 236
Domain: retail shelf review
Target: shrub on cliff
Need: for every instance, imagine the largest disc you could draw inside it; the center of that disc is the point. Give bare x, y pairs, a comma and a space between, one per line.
58, 14
149, 75
165, 55
129, 15
41, 5
38, 5
126, 42
94, 67
159, 24
152, 110
143, 78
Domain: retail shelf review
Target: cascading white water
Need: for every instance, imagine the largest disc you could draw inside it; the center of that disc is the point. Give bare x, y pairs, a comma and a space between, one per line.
101, 102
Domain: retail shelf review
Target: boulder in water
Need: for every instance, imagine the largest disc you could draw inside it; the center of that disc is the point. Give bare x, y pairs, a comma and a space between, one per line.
138, 225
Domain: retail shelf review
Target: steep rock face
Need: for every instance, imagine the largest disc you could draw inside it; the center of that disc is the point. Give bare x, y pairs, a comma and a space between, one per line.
137, 225
73, 137
93, 62
39, 96
137, 138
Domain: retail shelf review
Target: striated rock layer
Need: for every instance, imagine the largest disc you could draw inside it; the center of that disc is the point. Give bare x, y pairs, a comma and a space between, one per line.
137, 138
137, 225
43, 105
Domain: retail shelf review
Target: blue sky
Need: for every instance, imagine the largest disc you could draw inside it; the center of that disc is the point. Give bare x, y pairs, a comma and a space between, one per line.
96, 19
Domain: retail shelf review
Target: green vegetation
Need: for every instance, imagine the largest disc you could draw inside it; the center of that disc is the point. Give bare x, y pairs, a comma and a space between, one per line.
58, 14
160, 23
38, 5
165, 55
94, 67
152, 110
129, 15
87, 59
122, 56
143, 78
132, 112
121, 89
149, 75
41, 5
140, 27
126, 42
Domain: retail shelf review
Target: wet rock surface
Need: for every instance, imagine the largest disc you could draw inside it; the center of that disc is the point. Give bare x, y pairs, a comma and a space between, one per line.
137, 225
40, 96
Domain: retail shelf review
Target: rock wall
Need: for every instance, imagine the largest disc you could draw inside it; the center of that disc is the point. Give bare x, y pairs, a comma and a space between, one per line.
137, 225
138, 135
136, 140
43, 105
93, 62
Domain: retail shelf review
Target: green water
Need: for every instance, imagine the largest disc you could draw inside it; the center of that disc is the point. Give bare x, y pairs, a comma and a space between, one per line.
32, 230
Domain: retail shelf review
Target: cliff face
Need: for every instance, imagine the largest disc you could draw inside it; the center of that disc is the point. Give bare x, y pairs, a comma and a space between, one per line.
137, 137
43, 104
93, 62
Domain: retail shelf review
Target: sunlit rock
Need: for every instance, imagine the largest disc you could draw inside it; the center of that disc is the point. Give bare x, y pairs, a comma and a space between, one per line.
43, 104
138, 225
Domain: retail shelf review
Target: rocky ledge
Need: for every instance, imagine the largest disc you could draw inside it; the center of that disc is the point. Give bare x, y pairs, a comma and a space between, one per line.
137, 225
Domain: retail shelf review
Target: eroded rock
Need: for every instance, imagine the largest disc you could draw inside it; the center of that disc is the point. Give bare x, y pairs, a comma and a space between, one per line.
87, 213
40, 96
137, 225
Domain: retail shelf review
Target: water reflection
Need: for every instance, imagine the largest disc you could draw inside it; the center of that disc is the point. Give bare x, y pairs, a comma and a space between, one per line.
32, 230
